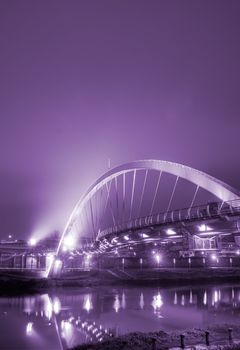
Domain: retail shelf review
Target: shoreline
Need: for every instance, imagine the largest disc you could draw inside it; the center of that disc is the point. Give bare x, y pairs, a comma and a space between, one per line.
13, 284
218, 336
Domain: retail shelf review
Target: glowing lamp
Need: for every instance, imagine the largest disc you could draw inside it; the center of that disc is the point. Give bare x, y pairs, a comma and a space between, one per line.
170, 232
69, 242
158, 258
58, 263
203, 228
32, 241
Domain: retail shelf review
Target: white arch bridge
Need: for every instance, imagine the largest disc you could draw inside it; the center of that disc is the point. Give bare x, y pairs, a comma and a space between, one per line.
138, 202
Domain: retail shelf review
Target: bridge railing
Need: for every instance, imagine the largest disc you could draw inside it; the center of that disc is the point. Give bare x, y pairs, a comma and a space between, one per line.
202, 212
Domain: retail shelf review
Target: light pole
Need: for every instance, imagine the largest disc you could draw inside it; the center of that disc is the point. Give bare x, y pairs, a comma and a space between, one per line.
174, 262
158, 258
123, 262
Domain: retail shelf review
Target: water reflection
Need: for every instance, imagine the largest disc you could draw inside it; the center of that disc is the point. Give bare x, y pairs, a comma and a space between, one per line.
116, 304
29, 328
56, 305
48, 307
205, 298
87, 304
123, 303
67, 318
191, 297
175, 301
141, 304
157, 303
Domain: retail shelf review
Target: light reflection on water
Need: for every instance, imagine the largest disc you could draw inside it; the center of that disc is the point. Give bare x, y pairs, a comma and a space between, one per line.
65, 318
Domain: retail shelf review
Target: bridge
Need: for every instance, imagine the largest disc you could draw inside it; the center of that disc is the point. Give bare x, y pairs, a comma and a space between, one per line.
151, 204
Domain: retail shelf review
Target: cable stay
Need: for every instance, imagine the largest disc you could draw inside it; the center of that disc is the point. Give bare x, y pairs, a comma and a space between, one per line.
155, 193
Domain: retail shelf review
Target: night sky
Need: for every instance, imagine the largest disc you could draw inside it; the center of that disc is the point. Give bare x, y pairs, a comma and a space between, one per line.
84, 81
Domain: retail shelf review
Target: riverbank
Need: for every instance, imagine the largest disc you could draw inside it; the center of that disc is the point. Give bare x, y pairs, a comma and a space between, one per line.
15, 282
218, 339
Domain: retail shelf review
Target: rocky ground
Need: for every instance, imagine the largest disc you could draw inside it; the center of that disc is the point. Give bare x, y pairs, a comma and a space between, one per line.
194, 339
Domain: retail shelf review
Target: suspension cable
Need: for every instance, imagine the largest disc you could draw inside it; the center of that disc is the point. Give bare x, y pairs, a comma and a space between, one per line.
155, 194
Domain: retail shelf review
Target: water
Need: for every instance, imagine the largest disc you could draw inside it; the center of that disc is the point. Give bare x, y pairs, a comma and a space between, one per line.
65, 318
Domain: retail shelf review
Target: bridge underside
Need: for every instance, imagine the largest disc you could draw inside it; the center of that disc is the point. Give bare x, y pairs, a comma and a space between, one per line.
211, 240
131, 213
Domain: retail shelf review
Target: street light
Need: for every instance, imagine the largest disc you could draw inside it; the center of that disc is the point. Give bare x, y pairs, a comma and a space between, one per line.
171, 232
32, 241
69, 242
214, 257
123, 262
158, 258
204, 228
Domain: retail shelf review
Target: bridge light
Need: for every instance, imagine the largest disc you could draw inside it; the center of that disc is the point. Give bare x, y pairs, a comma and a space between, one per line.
69, 242
170, 232
57, 266
32, 241
58, 262
158, 258
204, 228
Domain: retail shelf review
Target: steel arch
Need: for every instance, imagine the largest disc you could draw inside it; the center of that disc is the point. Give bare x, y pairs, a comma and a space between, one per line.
215, 186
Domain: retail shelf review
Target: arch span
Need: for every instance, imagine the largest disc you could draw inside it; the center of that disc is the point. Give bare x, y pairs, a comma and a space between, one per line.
215, 186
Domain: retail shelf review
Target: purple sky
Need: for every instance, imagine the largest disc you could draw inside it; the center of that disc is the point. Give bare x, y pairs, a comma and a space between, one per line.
82, 81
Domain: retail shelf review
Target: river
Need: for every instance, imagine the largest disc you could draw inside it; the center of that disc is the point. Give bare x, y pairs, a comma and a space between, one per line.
64, 318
